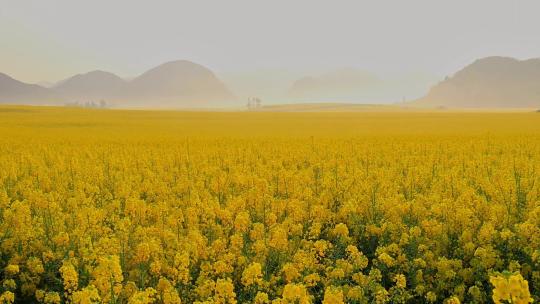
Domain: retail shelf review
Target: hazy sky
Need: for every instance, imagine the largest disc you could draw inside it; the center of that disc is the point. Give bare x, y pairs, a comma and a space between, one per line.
50, 40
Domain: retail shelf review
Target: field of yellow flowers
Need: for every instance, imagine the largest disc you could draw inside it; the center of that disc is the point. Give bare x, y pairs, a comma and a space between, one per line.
110, 206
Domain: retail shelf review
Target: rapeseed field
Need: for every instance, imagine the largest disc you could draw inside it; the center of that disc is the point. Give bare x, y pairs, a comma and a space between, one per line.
111, 206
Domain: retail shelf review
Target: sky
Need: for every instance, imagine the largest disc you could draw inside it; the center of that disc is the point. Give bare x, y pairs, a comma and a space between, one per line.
52, 40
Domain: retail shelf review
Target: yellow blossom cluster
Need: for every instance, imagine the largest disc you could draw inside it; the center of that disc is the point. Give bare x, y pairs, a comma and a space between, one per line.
100, 206
510, 288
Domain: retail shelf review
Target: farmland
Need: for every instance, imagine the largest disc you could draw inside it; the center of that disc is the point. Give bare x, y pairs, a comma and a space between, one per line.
373, 206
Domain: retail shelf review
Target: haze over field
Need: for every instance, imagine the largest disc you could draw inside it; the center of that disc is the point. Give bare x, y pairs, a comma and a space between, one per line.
278, 51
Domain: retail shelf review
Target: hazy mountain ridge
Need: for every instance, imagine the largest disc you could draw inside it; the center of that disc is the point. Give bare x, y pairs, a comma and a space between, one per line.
17, 92
489, 82
179, 80
173, 84
347, 84
92, 85
496, 82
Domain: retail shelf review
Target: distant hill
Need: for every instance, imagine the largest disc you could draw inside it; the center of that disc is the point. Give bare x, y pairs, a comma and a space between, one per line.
181, 82
489, 82
92, 85
172, 84
339, 85
15, 92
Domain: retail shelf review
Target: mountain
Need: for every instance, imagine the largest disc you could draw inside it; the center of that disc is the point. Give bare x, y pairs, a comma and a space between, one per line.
15, 92
45, 84
347, 84
489, 82
172, 84
91, 86
180, 82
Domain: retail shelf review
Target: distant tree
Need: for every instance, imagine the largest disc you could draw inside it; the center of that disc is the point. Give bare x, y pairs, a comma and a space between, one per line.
254, 102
